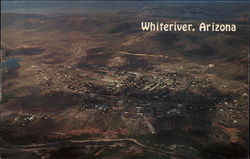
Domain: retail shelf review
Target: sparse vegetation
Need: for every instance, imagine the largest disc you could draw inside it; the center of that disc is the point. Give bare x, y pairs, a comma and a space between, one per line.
85, 77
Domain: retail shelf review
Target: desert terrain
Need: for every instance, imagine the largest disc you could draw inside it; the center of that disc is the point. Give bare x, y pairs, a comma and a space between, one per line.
77, 85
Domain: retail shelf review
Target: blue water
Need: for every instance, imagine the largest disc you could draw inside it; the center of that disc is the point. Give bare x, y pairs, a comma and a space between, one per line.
11, 63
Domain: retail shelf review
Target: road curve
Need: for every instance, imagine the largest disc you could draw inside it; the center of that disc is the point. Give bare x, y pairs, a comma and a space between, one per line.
102, 141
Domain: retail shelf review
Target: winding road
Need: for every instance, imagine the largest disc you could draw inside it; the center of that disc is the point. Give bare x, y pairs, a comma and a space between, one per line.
102, 141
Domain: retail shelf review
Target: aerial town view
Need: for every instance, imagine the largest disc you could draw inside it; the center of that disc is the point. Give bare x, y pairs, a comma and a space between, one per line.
83, 80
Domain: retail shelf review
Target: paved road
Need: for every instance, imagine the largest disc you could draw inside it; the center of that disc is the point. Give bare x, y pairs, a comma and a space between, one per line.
102, 141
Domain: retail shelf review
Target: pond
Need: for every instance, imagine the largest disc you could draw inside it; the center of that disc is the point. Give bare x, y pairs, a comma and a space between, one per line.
13, 62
